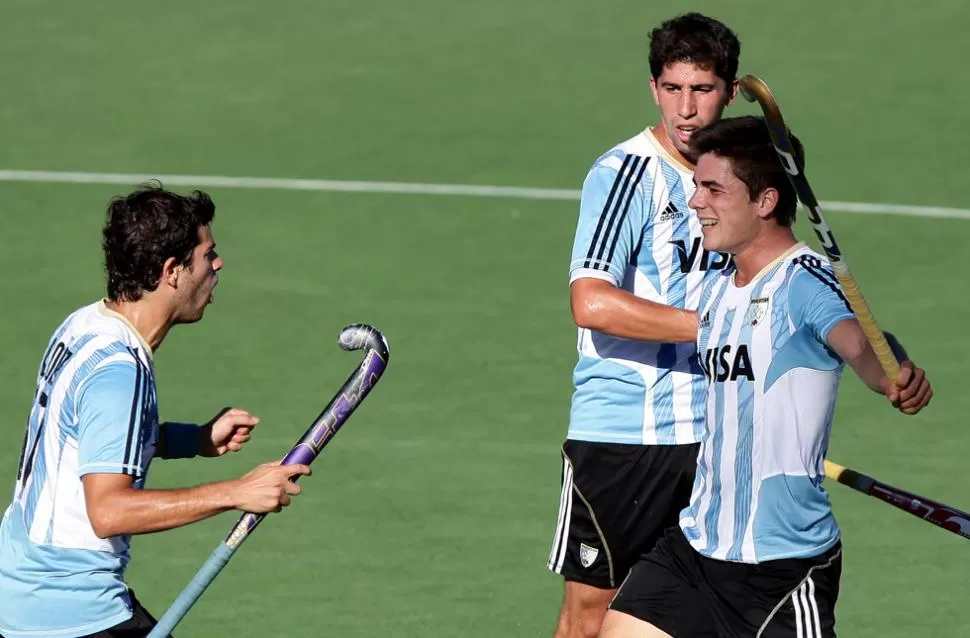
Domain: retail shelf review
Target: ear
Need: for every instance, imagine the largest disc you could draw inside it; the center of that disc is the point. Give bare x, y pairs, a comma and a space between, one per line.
170, 272
732, 92
767, 202
653, 89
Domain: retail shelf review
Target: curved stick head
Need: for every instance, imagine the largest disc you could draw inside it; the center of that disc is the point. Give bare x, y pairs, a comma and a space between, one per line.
754, 89
751, 86
361, 335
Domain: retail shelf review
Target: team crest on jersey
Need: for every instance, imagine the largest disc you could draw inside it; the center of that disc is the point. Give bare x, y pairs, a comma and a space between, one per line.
587, 554
757, 311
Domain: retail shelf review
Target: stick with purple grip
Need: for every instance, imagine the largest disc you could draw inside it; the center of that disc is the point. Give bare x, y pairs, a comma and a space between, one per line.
323, 428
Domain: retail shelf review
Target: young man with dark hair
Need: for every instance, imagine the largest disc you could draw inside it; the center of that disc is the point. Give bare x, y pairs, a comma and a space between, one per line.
635, 276
93, 430
757, 551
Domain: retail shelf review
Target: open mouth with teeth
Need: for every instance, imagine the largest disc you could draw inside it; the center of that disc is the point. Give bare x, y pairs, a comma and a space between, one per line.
707, 223
684, 133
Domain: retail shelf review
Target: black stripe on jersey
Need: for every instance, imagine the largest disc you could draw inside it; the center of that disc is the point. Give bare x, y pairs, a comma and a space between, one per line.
128, 458
610, 209
143, 420
606, 207
828, 274
33, 450
619, 211
626, 207
815, 269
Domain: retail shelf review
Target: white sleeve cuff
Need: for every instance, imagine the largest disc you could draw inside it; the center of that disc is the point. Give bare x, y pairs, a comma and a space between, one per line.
592, 273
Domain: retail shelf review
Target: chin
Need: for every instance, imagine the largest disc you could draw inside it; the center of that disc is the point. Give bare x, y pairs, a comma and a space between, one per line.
192, 318
711, 244
184, 321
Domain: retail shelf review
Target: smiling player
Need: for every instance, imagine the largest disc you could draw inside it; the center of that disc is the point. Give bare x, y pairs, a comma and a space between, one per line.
758, 551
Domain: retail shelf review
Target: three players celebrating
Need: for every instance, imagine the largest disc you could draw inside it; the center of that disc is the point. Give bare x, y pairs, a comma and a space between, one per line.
711, 345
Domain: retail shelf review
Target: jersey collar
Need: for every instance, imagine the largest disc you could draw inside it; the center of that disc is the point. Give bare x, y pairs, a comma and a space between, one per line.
667, 155
108, 312
770, 267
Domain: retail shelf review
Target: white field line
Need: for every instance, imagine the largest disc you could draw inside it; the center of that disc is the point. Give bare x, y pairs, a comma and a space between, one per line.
410, 188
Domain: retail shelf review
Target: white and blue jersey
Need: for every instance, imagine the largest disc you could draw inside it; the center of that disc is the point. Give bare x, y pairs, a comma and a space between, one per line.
636, 232
94, 410
771, 397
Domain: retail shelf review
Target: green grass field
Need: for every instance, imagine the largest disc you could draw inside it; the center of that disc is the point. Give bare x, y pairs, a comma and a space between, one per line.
432, 512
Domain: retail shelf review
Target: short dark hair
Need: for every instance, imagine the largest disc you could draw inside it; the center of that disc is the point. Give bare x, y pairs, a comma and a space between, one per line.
746, 142
698, 39
143, 229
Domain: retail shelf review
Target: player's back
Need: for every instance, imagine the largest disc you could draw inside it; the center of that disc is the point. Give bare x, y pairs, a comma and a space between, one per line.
55, 572
636, 231
773, 383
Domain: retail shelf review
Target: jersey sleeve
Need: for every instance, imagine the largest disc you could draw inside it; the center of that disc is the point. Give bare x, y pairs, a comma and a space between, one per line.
612, 213
112, 413
816, 300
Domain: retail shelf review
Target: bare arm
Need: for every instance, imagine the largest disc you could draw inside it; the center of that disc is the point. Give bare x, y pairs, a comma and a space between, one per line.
599, 305
910, 393
116, 508
850, 343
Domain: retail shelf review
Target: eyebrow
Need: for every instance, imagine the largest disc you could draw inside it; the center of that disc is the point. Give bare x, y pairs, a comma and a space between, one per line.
703, 85
708, 183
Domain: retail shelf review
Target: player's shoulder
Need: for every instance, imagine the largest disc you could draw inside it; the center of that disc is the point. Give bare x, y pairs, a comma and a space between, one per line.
810, 274
95, 335
805, 264
803, 253
632, 153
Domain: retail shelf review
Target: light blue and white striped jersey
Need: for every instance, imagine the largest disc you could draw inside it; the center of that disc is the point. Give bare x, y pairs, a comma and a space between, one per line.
772, 387
636, 232
94, 410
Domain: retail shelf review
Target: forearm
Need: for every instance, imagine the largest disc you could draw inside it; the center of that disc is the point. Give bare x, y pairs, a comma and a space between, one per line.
135, 511
868, 366
616, 312
868, 369
848, 340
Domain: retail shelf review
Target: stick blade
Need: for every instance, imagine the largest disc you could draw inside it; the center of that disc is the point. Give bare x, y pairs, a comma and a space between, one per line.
362, 335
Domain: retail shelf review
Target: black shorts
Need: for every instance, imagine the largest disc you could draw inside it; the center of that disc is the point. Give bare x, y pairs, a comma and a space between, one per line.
138, 626
687, 594
616, 501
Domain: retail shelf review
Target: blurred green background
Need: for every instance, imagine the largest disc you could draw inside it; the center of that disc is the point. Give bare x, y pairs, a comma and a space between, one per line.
432, 512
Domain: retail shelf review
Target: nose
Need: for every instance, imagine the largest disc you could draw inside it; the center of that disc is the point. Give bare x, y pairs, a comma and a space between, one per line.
688, 105
696, 200
217, 264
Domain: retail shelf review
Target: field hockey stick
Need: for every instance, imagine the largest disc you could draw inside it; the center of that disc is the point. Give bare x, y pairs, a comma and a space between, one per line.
754, 89
323, 428
939, 514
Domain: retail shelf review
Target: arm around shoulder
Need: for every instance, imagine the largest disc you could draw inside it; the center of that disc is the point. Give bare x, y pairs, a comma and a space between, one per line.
599, 305
606, 240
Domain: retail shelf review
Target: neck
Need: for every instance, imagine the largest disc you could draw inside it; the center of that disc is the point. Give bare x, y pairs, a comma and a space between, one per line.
760, 252
150, 319
660, 133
